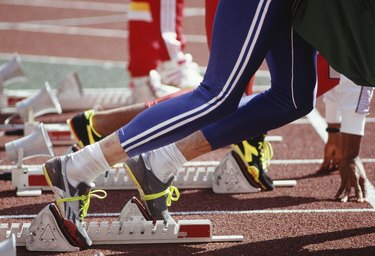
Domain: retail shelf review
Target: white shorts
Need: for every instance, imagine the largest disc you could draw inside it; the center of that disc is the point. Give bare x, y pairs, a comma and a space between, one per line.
348, 104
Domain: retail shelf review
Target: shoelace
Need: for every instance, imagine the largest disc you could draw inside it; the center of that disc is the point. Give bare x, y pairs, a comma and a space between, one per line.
266, 153
173, 194
86, 200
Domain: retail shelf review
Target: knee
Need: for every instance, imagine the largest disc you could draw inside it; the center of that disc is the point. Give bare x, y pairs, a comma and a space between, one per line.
307, 107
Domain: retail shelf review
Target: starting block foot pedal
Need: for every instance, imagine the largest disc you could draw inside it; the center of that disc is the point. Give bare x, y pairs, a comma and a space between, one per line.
45, 233
230, 179
134, 210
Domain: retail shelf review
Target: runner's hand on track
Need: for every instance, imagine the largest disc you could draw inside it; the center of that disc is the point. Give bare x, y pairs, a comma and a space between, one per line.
332, 157
353, 175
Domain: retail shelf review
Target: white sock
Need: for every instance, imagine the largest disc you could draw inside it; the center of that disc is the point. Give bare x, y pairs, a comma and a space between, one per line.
165, 161
86, 165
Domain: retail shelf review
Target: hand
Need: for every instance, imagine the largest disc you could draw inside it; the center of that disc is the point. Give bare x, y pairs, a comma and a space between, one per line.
352, 174
332, 156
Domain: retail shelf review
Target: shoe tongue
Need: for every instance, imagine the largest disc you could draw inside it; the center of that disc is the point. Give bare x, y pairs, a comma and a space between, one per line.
170, 180
146, 161
147, 164
83, 189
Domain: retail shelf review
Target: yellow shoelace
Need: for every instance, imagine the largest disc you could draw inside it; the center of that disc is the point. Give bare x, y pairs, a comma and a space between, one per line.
173, 195
86, 200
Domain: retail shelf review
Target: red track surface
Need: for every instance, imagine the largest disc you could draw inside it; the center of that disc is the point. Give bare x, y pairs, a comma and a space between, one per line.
266, 233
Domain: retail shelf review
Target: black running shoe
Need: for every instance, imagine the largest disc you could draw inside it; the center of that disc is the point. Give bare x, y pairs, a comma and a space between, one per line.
255, 154
82, 129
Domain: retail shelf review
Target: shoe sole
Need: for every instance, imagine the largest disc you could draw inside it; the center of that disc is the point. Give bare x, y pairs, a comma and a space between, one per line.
63, 228
248, 171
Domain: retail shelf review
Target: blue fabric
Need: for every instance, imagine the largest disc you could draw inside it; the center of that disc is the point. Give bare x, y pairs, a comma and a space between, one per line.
244, 33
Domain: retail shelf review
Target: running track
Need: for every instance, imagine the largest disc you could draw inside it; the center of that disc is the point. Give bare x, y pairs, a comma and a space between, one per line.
303, 220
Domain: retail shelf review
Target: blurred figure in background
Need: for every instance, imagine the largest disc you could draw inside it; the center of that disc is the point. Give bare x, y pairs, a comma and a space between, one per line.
156, 50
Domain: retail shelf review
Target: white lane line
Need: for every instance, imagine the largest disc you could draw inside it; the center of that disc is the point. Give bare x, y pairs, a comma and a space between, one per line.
90, 5
55, 29
319, 124
302, 211
78, 5
81, 31
84, 21
274, 161
66, 61
296, 211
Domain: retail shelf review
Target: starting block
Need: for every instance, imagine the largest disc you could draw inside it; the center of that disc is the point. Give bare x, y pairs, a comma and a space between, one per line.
45, 233
223, 177
58, 133
29, 180
72, 96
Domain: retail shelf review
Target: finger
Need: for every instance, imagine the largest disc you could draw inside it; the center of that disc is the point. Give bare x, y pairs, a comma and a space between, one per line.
339, 192
358, 191
346, 194
324, 166
328, 167
333, 167
363, 184
360, 198
344, 199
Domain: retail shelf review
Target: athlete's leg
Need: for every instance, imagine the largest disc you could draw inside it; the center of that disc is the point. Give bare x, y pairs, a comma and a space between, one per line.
239, 40
291, 63
108, 121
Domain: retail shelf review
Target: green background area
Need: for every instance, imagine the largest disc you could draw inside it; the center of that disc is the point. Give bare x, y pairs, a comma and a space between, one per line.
91, 76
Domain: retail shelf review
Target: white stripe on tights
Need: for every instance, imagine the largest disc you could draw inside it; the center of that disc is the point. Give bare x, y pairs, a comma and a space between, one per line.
165, 126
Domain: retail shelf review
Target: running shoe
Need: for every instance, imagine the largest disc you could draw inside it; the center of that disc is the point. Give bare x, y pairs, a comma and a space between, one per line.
155, 195
183, 74
72, 202
148, 87
255, 155
82, 129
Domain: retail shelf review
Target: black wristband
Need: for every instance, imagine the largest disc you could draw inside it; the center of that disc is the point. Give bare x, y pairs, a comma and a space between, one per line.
332, 130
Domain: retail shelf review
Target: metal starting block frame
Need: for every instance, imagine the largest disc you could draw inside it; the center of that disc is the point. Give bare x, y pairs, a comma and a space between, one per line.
132, 227
30, 181
91, 97
58, 133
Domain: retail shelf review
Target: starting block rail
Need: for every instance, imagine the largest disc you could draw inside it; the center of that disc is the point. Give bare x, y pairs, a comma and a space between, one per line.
46, 234
29, 179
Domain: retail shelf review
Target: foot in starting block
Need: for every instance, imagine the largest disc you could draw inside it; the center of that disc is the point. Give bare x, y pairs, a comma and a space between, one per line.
229, 178
46, 232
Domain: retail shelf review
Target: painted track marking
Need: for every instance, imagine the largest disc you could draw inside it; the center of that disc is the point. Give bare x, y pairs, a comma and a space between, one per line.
291, 211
